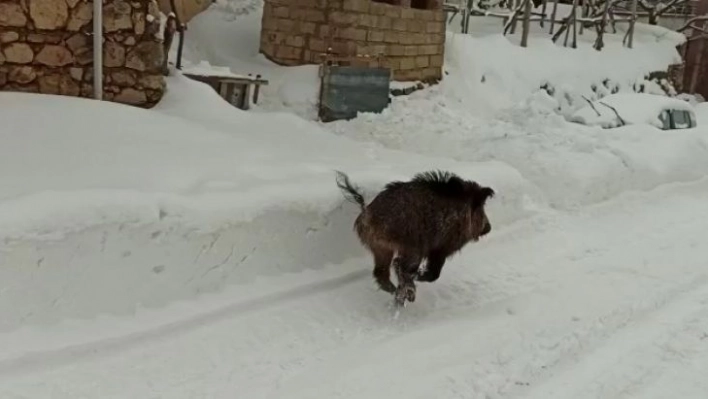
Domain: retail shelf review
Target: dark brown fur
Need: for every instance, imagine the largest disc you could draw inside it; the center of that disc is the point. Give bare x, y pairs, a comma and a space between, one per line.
431, 217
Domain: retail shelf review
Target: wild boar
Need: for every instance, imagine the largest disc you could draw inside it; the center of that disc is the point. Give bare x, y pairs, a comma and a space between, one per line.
432, 216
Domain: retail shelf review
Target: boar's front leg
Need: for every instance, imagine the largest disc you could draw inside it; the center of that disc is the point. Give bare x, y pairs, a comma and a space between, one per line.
406, 266
436, 261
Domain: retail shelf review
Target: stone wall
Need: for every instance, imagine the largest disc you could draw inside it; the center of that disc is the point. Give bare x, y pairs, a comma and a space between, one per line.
46, 46
297, 32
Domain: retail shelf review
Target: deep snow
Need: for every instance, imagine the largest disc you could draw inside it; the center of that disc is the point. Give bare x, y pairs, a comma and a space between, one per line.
602, 302
196, 250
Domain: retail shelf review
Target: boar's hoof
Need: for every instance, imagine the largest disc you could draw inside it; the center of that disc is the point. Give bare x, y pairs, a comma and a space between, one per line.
405, 293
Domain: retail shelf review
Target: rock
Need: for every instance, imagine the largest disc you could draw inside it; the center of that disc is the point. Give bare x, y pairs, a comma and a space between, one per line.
77, 42
116, 16
76, 73
56, 56
9, 37
19, 53
53, 39
86, 90
2, 59
139, 23
69, 86
22, 75
49, 84
88, 75
72, 3
124, 78
154, 96
3, 78
146, 56
82, 15
154, 10
131, 96
113, 55
85, 57
32, 88
35, 38
58, 84
130, 41
11, 14
49, 14
155, 82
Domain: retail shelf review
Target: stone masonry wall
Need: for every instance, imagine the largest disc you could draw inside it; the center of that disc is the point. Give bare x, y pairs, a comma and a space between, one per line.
297, 32
46, 46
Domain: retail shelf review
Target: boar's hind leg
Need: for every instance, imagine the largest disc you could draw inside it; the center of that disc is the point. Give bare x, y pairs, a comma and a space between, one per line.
406, 270
382, 269
436, 261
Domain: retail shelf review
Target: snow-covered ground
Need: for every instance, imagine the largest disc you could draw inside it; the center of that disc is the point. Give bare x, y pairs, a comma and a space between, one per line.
195, 250
610, 301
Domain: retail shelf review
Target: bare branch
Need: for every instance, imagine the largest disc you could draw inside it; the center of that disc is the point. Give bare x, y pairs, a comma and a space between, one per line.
646, 6
622, 121
591, 105
663, 7
701, 18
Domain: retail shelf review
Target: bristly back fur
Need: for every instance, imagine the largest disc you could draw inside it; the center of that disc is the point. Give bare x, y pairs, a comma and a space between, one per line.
443, 183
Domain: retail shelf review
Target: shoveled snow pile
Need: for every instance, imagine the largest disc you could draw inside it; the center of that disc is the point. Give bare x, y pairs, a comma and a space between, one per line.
632, 108
180, 200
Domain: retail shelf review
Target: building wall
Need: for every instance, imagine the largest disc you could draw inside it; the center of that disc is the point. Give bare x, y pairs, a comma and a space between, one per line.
46, 47
297, 32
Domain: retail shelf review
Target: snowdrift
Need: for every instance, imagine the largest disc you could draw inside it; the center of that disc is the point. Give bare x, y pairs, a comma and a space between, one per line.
108, 207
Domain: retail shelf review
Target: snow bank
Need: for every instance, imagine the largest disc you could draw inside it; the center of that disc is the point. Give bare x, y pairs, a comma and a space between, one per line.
633, 108
107, 207
513, 73
572, 164
490, 106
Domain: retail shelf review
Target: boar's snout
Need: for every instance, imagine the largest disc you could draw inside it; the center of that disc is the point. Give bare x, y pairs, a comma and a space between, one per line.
486, 229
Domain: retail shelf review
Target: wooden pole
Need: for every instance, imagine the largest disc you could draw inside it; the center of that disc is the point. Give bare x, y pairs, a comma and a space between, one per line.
630, 39
526, 24
599, 42
553, 15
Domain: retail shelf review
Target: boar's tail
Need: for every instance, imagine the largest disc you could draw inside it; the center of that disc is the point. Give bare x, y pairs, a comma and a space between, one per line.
351, 193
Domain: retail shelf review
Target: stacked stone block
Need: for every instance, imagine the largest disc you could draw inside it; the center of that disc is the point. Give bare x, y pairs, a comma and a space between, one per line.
297, 32
46, 46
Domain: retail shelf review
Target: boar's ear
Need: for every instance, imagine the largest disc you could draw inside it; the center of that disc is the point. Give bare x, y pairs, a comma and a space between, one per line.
480, 196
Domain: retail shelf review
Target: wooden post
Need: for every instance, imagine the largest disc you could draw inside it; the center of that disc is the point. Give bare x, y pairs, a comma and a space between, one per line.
630, 39
575, 24
553, 15
526, 24
599, 42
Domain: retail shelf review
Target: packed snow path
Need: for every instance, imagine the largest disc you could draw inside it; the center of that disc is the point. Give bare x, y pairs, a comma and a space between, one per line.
610, 301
